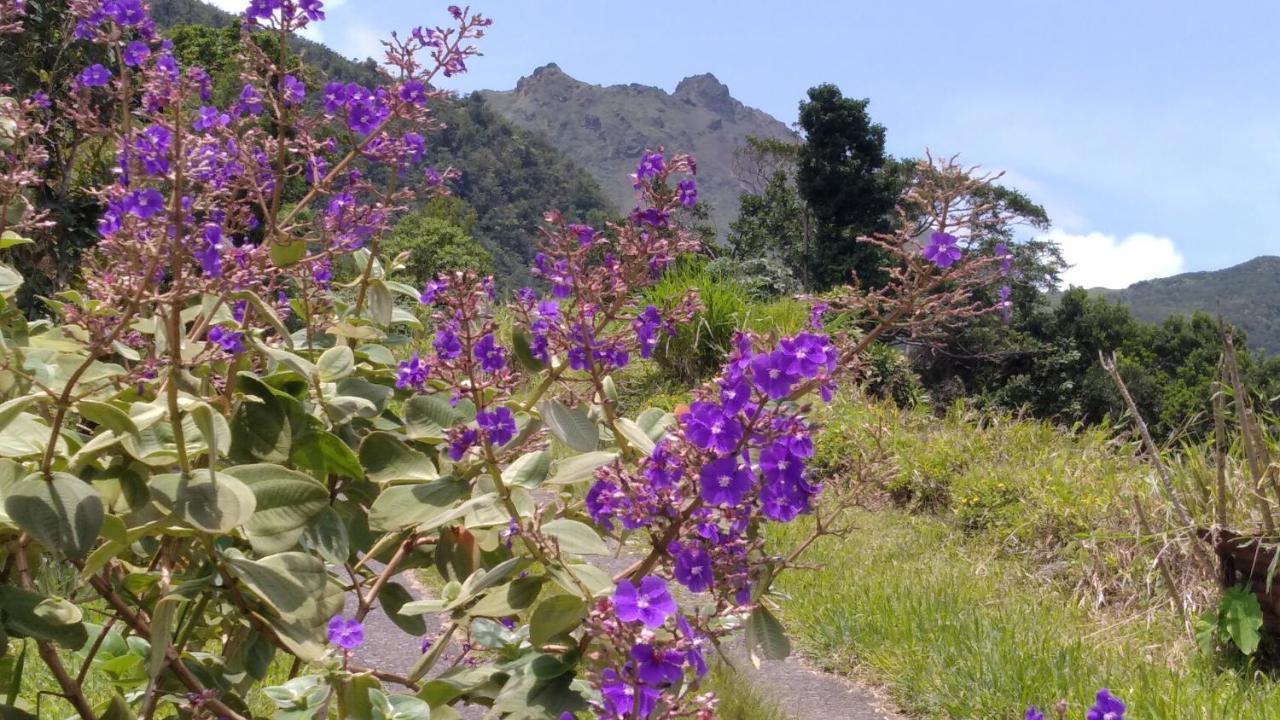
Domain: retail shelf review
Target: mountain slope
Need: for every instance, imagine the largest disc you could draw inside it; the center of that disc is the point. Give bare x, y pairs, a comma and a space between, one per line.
510, 176
605, 129
1247, 295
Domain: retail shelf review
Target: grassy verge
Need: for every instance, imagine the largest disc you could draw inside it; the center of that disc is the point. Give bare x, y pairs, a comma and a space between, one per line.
739, 700
956, 632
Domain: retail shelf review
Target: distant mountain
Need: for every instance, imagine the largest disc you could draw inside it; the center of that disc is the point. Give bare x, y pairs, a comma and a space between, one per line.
605, 129
510, 176
1247, 295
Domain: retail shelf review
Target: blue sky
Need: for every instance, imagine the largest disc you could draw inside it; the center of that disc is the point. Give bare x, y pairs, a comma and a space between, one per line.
1149, 130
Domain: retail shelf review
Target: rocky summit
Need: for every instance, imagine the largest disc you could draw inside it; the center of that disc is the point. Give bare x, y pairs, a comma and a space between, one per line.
606, 128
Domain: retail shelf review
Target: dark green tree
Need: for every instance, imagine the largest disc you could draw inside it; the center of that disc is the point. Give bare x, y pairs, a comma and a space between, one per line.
435, 245
849, 184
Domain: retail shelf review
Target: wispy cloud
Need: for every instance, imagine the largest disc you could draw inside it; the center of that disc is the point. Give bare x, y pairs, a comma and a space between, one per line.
1101, 260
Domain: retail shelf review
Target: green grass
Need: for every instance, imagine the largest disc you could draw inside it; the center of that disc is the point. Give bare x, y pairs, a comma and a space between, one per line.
738, 699
956, 632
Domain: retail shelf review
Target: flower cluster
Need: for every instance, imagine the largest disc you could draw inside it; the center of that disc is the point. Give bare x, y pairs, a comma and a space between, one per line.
662, 650
1105, 707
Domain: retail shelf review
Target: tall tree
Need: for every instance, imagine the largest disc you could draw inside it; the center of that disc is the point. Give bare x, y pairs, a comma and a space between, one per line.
849, 183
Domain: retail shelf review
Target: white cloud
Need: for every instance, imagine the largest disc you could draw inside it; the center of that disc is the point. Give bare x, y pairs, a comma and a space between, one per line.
1101, 260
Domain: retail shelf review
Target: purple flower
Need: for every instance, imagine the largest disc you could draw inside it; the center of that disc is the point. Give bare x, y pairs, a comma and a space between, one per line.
808, 353
347, 634
433, 177
292, 90
41, 100
1006, 258
772, 373
693, 567
125, 12
461, 443
366, 114
446, 344
585, 234
1005, 303
492, 356
209, 117
779, 465
1033, 714
250, 102
94, 76
151, 147
415, 146
322, 273
413, 92
941, 250
210, 252
651, 164
231, 341
725, 481
626, 700
708, 427
815, 315
334, 97
646, 326
412, 374
136, 53
499, 425
1107, 707
662, 469
735, 393
694, 657
650, 603
144, 203
432, 291
657, 667
687, 193
653, 217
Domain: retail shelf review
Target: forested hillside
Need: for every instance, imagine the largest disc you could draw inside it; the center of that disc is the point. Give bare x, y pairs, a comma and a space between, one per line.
1247, 295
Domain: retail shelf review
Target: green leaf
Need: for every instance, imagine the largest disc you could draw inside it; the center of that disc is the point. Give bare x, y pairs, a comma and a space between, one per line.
214, 503
381, 303
260, 430
162, 619
9, 239
427, 416
393, 596
117, 709
288, 253
327, 533
555, 616
635, 435
521, 346
18, 610
387, 459
509, 599
10, 280
575, 537
295, 584
406, 505
1240, 618
286, 501
64, 513
213, 428
572, 426
12, 408
579, 468
108, 416
336, 363
765, 636
291, 360
325, 453
529, 470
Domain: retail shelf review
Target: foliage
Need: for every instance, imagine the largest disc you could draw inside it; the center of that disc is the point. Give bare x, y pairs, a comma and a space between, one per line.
762, 278
1237, 620
434, 246
952, 631
1045, 361
1244, 295
849, 184
244, 422
775, 224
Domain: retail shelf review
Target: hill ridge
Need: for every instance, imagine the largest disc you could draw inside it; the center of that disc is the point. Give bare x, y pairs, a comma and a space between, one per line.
605, 128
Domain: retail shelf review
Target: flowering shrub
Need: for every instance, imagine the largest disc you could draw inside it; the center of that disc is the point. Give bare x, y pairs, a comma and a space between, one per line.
236, 423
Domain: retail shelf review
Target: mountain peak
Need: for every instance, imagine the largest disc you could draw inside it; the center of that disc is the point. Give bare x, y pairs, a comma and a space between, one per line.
706, 90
